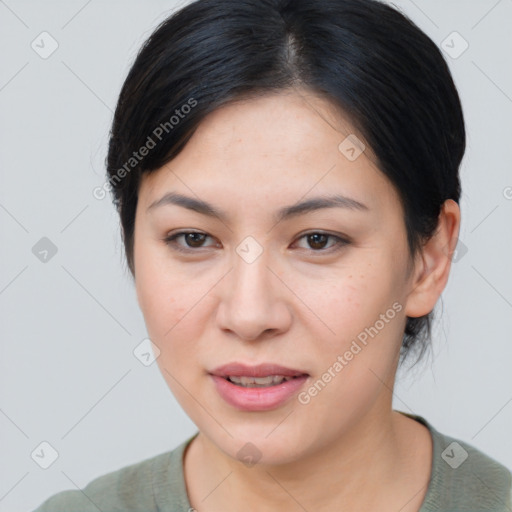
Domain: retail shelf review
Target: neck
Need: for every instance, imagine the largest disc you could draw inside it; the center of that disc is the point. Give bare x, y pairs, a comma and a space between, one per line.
363, 469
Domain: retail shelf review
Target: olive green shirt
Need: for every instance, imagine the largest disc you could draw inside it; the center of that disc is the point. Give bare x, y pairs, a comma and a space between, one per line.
463, 479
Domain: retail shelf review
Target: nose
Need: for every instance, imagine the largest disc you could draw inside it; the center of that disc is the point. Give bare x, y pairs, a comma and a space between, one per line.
253, 301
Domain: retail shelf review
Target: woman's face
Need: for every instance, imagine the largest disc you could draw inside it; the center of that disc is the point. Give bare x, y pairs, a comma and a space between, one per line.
320, 291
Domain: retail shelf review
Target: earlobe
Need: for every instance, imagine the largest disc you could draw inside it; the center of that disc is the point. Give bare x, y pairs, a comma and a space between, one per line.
432, 266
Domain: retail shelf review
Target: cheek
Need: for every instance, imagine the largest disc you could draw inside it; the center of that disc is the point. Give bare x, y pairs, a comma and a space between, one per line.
162, 297
358, 360
177, 308
351, 301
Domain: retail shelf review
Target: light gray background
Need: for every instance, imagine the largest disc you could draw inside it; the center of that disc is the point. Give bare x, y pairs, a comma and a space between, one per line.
69, 326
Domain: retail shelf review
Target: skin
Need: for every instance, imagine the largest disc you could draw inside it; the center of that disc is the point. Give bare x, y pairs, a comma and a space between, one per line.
299, 304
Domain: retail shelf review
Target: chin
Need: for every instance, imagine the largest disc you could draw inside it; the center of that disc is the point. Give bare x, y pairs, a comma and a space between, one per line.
255, 444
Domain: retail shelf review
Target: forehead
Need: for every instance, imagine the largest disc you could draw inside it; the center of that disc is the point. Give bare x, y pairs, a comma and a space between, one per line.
279, 146
282, 122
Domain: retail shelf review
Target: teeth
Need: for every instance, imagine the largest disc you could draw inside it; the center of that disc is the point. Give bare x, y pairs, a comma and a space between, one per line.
258, 382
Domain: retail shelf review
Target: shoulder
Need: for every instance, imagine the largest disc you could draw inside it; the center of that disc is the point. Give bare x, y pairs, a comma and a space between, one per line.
134, 488
464, 478
124, 489
475, 480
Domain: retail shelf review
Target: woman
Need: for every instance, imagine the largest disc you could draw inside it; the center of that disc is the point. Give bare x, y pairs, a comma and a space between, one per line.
286, 175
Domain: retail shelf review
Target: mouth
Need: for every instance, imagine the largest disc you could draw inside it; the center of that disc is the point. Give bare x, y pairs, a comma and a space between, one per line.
257, 388
259, 382
264, 374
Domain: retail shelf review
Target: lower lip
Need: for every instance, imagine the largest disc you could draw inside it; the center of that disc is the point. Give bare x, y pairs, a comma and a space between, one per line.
257, 399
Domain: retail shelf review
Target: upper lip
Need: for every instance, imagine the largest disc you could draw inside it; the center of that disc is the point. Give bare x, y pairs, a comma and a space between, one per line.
260, 370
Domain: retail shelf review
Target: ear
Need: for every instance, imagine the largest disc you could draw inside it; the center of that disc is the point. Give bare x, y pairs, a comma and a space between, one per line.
432, 265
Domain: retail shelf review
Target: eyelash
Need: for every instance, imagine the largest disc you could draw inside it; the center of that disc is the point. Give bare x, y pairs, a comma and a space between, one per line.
170, 240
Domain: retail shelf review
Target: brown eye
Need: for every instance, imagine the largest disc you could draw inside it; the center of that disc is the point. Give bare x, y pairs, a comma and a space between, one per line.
193, 240
317, 241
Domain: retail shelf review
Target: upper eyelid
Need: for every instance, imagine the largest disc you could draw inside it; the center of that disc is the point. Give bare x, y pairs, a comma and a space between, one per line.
341, 238
300, 235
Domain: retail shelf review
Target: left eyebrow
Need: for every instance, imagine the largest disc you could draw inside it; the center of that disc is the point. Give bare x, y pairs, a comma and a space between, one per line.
313, 204
319, 203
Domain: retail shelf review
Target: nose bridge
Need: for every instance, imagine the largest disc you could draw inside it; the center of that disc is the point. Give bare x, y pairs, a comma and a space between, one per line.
251, 278
252, 299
